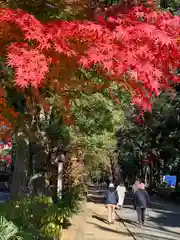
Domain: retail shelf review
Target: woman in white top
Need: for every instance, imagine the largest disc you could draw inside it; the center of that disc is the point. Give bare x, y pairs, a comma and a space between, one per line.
121, 194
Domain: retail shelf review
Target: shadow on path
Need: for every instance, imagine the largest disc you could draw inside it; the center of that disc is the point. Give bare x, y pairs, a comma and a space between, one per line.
100, 218
109, 229
162, 223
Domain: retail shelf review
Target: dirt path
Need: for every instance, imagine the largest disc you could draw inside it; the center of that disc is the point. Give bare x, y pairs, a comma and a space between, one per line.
96, 227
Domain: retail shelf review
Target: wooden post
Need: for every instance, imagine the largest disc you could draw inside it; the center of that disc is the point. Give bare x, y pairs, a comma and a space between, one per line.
60, 176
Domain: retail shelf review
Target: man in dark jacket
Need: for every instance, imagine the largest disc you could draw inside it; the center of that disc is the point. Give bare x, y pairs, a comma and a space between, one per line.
141, 201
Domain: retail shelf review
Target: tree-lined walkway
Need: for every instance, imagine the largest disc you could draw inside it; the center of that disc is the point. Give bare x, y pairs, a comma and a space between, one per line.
96, 226
163, 222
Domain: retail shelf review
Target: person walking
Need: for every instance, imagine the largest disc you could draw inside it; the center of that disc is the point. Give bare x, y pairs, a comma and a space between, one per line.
141, 201
121, 190
111, 201
135, 186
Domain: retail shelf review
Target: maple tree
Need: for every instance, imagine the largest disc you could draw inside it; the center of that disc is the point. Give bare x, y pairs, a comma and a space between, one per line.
137, 48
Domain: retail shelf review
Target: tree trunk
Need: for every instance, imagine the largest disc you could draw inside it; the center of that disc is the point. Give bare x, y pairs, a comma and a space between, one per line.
20, 175
37, 169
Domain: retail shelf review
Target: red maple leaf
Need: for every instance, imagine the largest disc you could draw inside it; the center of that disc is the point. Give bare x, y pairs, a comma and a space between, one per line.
30, 65
136, 47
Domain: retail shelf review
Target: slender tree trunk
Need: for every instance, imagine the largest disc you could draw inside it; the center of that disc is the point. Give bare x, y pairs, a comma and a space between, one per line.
37, 169
20, 175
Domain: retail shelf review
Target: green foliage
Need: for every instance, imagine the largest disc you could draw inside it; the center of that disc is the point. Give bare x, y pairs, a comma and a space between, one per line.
171, 5
94, 114
8, 230
42, 9
38, 218
157, 137
56, 130
96, 118
52, 9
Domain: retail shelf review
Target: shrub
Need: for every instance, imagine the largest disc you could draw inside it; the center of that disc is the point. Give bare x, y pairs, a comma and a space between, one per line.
38, 217
8, 230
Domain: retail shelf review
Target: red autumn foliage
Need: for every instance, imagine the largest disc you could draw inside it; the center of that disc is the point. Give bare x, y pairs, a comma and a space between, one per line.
138, 49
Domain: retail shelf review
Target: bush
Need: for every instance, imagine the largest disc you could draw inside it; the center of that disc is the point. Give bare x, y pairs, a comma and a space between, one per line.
8, 231
38, 218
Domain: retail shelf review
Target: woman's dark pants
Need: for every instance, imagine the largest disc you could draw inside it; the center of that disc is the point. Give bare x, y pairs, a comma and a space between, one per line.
141, 214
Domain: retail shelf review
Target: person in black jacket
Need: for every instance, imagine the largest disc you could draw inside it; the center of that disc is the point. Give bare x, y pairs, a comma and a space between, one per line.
141, 201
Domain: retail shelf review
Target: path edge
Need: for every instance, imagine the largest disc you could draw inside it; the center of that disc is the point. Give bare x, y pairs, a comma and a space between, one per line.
127, 227
76, 230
